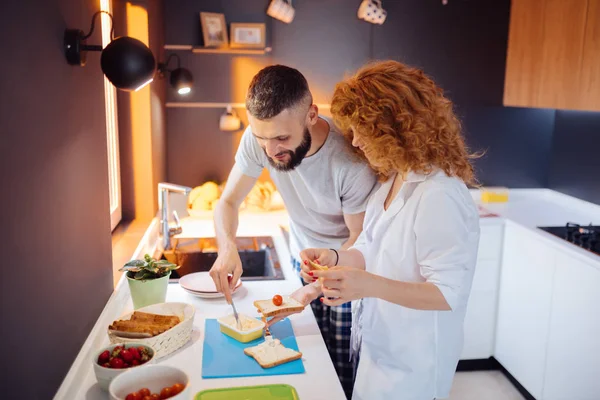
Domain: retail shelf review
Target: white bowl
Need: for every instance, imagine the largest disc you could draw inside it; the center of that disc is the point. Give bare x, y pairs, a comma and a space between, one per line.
153, 377
105, 375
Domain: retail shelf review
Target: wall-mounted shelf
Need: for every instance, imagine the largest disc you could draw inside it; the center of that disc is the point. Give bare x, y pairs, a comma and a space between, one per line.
205, 50
208, 50
178, 47
181, 104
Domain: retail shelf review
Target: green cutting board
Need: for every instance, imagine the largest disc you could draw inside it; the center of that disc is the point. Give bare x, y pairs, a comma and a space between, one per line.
260, 392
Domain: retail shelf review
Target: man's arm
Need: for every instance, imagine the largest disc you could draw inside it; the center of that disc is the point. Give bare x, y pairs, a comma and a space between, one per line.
226, 223
354, 222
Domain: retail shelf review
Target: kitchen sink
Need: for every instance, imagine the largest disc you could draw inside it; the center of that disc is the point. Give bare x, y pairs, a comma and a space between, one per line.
258, 255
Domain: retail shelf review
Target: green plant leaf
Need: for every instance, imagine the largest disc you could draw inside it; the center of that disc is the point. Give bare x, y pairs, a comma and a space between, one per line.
130, 268
151, 267
135, 263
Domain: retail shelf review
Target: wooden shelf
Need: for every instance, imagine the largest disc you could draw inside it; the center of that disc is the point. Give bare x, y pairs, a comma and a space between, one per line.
178, 47
181, 104
207, 50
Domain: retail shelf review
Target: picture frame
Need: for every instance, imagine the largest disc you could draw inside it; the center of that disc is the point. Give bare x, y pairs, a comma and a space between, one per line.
248, 35
214, 29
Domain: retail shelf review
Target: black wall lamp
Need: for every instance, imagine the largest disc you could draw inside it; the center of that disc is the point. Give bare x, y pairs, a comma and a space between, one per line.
181, 78
127, 62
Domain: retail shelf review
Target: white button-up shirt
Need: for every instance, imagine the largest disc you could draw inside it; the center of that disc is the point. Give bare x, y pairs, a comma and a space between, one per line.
429, 233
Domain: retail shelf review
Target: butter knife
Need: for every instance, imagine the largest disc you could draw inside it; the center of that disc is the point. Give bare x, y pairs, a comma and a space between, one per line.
237, 318
235, 313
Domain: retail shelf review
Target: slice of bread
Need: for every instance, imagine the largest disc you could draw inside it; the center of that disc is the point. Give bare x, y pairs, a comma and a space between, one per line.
271, 353
268, 309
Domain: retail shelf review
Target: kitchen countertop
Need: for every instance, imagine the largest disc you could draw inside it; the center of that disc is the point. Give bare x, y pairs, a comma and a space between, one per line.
319, 380
528, 208
531, 208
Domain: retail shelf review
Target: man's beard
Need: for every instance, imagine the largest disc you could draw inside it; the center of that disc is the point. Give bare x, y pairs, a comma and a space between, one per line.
296, 156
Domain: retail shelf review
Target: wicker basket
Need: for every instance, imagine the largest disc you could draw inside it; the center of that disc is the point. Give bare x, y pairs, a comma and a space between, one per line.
171, 340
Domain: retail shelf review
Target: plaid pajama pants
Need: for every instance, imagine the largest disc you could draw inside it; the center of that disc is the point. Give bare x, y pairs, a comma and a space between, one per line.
335, 324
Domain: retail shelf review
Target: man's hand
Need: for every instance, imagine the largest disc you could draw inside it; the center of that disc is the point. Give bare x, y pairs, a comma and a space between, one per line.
304, 295
228, 262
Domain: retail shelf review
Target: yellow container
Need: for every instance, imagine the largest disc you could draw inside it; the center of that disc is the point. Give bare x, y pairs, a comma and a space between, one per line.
494, 194
241, 336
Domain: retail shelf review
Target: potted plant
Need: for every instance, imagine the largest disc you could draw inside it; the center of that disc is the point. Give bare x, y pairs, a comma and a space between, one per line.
148, 280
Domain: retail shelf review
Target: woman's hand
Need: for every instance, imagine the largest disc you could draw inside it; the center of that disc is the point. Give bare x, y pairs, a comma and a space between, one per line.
304, 295
325, 257
344, 284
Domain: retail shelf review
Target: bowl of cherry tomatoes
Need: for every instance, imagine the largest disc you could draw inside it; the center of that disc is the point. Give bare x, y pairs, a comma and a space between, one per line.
154, 382
115, 359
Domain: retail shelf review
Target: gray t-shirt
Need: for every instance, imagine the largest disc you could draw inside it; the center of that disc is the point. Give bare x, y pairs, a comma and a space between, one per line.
317, 193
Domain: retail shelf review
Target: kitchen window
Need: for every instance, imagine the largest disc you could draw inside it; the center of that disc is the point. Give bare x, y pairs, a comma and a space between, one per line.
112, 131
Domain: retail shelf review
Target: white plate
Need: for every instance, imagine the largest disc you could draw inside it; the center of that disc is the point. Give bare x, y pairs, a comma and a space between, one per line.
209, 295
200, 282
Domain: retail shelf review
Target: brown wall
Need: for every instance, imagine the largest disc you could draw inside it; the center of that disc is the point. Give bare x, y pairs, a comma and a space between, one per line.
324, 42
461, 45
54, 209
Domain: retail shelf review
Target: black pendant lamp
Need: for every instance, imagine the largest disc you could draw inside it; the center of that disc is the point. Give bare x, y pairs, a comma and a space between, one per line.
126, 62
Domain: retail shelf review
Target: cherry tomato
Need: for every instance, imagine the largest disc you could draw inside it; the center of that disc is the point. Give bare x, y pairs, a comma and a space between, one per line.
145, 392
155, 396
148, 398
277, 300
177, 388
134, 396
165, 393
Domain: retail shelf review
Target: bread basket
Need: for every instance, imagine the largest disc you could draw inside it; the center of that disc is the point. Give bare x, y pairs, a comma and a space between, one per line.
171, 340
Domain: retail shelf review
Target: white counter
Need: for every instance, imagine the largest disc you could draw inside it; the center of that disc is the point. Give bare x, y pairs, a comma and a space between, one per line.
532, 208
527, 207
319, 380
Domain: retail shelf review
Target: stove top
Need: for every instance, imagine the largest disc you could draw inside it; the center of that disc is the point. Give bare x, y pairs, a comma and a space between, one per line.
585, 236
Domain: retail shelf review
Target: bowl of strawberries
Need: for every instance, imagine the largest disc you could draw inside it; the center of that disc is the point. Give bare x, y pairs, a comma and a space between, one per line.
112, 360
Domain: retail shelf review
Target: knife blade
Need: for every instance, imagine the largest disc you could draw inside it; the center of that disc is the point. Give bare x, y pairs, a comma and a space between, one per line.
235, 313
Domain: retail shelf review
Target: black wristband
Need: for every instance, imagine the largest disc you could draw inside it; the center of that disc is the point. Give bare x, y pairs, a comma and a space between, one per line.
337, 257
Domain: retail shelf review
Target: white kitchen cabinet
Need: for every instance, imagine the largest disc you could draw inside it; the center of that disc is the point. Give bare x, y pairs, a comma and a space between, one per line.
573, 356
480, 319
524, 303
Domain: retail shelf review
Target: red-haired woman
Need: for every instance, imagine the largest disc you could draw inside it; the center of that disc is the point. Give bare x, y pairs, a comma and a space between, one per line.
412, 267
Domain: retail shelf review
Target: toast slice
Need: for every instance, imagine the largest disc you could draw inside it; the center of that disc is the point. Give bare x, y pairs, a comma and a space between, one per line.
272, 353
268, 309
158, 319
144, 325
139, 327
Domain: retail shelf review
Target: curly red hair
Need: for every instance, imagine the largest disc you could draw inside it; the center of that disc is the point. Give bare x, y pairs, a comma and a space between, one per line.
403, 120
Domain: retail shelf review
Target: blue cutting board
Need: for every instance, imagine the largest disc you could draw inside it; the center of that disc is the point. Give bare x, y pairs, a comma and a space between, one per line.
223, 356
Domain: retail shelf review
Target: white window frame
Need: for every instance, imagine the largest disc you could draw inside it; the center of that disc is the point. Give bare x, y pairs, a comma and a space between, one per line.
112, 128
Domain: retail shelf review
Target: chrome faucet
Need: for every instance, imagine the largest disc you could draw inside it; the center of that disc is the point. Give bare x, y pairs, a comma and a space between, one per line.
166, 232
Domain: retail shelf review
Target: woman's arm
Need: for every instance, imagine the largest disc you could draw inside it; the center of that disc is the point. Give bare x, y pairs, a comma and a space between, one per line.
420, 296
343, 284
